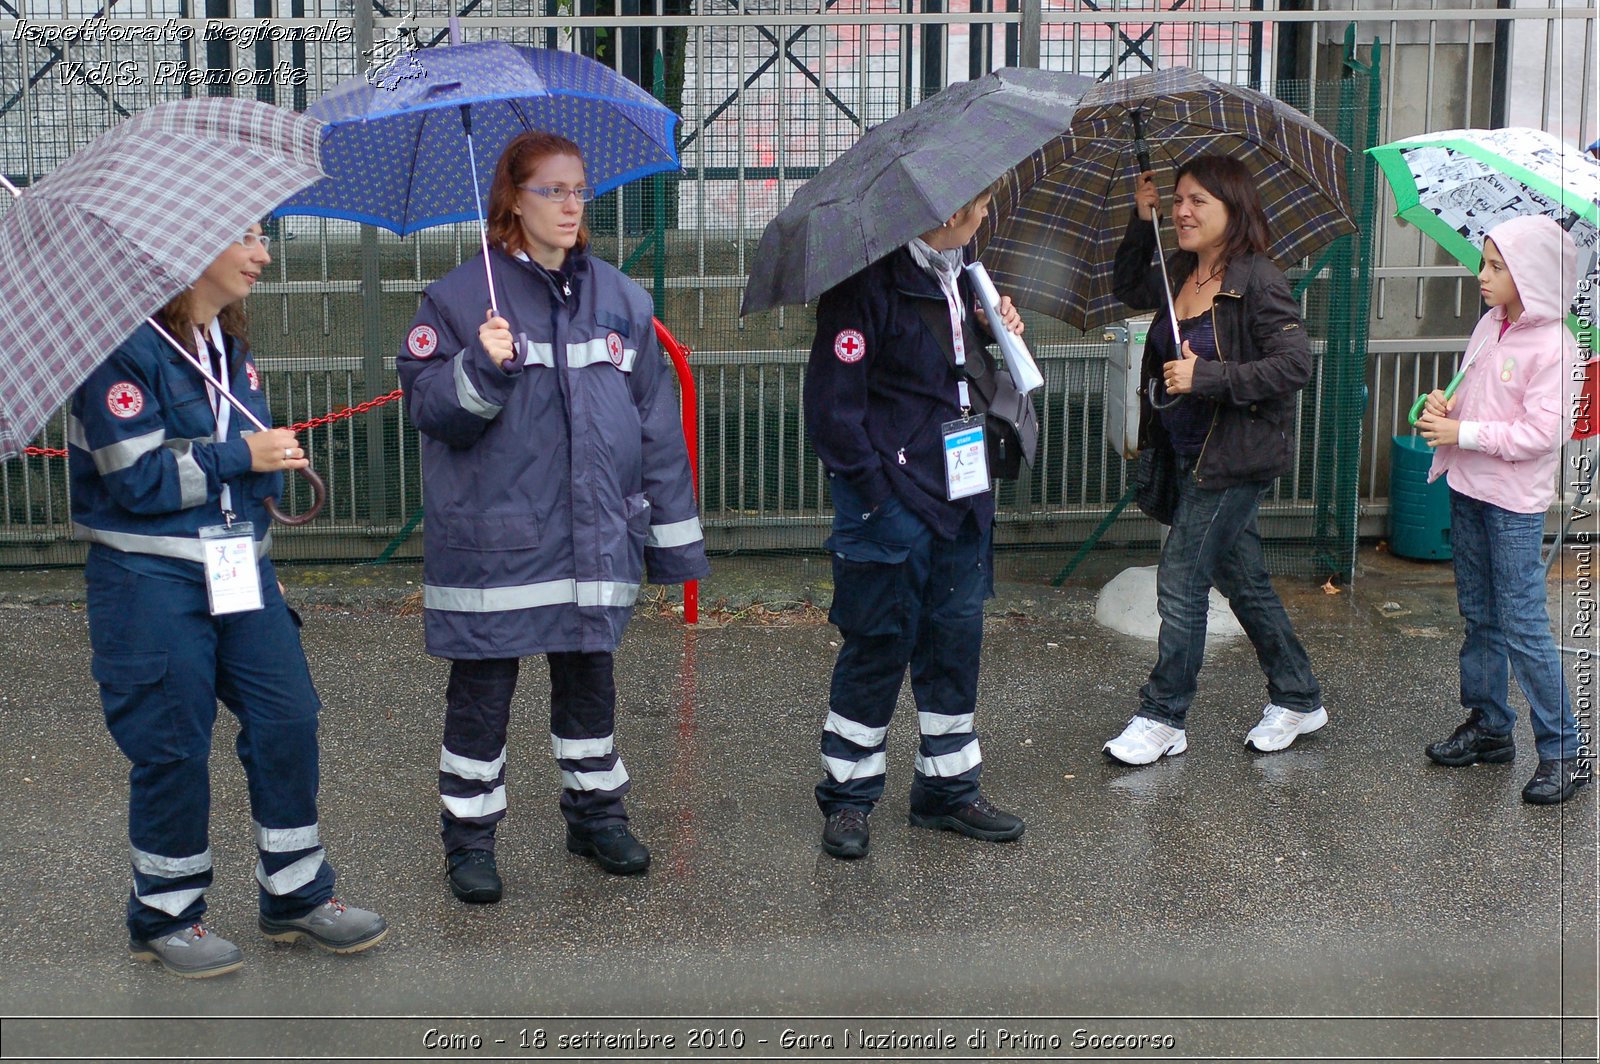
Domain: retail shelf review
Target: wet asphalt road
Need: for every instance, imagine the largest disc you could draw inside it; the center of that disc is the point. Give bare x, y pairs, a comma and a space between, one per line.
1344, 898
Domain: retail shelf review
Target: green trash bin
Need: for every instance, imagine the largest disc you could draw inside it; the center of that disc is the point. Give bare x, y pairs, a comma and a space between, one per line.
1419, 512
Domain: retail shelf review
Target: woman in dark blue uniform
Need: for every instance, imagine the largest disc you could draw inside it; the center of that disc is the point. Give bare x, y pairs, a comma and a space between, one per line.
556, 475
891, 377
184, 608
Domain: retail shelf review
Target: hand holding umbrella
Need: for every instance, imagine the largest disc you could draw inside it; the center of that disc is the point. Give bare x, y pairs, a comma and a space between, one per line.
1447, 393
495, 336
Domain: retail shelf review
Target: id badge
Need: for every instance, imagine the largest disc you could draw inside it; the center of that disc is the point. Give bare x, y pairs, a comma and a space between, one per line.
966, 460
233, 581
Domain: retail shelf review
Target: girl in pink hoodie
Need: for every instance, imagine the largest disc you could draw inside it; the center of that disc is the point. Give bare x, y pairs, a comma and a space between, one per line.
1498, 444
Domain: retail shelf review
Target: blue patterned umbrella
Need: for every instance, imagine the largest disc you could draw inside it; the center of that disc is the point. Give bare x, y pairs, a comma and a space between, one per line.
398, 156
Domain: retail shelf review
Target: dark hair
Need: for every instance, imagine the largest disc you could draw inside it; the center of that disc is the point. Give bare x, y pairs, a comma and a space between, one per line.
1231, 182
525, 152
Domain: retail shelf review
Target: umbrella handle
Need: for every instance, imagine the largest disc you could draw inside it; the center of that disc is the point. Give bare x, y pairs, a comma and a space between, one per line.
319, 497
1151, 390
1455, 382
1449, 392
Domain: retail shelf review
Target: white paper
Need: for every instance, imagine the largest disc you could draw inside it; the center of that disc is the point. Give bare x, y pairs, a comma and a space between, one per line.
1024, 372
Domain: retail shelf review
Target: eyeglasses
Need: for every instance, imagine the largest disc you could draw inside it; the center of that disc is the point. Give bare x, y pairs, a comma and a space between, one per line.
256, 240
559, 193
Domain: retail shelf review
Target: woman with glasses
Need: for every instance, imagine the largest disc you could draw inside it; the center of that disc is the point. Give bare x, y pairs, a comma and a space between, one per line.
170, 489
555, 473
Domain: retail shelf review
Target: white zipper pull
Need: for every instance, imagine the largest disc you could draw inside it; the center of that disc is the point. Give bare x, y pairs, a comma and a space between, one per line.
900, 456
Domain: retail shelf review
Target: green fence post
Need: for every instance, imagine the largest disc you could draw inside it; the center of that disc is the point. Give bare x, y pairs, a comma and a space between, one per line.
1353, 274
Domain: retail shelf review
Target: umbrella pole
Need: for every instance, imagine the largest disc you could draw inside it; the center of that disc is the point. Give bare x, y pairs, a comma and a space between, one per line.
1141, 152
477, 197
319, 491
1172, 310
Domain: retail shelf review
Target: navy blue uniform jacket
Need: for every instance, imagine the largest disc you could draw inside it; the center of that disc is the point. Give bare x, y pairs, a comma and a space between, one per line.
551, 483
146, 468
879, 386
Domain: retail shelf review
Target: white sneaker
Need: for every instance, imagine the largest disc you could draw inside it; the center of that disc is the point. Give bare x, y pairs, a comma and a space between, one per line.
1145, 741
1279, 727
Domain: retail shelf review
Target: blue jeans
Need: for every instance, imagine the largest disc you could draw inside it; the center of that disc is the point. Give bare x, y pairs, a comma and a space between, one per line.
1501, 593
1215, 542
903, 597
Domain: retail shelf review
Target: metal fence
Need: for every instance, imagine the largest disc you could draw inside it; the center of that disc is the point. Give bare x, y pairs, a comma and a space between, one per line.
769, 91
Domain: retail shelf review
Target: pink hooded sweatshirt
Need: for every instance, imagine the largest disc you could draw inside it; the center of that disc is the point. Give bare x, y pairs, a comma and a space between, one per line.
1516, 403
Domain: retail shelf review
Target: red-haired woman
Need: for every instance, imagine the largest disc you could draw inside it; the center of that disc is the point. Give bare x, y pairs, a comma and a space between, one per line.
554, 471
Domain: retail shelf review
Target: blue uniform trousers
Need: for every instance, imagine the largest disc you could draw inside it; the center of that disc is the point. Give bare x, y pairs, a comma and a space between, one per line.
162, 662
902, 596
472, 762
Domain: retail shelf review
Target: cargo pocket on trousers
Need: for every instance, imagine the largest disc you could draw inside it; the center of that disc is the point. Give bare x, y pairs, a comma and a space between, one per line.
141, 711
869, 597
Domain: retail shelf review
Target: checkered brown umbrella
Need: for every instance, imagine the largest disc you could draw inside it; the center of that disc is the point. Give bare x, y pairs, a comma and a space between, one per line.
1054, 230
121, 227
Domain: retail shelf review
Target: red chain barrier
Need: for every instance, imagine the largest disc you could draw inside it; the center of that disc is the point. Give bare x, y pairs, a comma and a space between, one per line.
316, 422
347, 411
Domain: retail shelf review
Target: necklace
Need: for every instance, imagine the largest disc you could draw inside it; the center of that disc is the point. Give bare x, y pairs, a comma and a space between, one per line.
1201, 283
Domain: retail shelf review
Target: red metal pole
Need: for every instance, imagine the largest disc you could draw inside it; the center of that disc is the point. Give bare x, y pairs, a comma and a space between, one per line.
691, 437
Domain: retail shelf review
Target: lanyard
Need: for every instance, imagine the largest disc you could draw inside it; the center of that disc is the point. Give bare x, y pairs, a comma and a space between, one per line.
220, 407
952, 300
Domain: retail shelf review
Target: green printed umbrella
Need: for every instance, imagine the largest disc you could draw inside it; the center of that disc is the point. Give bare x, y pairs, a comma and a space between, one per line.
1458, 184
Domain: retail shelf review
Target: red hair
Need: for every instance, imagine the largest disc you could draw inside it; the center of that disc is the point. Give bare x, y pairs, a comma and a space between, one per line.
517, 163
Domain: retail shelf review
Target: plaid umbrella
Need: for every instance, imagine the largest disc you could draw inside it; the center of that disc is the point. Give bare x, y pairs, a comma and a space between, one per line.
1056, 226
905, 177
398, 157
124, 225
1459, 184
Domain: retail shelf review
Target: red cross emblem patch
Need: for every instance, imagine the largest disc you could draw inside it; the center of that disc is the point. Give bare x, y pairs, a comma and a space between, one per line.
850, 346
124, 399
251, 376
614, 348
423, 341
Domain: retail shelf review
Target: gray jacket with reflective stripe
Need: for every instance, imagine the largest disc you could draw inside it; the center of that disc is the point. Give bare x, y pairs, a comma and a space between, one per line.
551, 484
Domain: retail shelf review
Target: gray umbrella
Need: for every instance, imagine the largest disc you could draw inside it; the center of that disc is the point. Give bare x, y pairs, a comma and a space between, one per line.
905, 177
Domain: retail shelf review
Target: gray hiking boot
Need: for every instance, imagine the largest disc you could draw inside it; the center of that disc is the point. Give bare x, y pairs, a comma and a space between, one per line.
333, 925
192, 952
